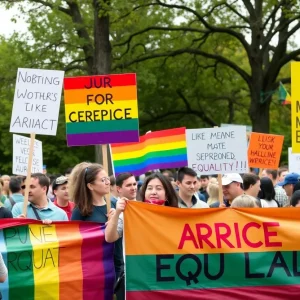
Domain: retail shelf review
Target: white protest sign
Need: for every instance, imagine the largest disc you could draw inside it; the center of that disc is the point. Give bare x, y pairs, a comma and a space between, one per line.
217, 150
21, 154
36, 101
294, 162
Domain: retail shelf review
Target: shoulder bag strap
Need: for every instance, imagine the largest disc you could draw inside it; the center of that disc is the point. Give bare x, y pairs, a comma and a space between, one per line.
36, 213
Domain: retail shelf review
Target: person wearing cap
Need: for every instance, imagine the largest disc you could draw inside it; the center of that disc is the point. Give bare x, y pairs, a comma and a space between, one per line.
232, 186
60, 191
289, 182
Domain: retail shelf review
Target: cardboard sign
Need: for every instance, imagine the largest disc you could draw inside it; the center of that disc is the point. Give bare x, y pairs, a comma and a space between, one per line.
21, 154
217, 150
295, 106
294, 162
265, 150
101, 109
36, 101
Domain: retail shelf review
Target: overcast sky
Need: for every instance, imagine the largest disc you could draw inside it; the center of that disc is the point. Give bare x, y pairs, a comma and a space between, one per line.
7, 26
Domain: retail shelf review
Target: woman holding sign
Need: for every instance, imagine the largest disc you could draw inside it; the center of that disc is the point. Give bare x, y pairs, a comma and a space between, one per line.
88, 186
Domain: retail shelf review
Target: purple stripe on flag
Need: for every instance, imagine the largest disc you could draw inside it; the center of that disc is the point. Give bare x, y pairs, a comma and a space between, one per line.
109, 270
167, 165
102, 138
92, 262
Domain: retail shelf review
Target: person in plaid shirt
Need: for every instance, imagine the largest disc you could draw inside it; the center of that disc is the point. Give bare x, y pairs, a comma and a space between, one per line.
280, 194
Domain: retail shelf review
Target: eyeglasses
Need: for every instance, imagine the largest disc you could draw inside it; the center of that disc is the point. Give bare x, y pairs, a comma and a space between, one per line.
61, 180
105, 179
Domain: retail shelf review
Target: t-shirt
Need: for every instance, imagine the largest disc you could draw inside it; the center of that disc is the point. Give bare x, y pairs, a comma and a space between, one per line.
99, 215
68, 209
5, 213
268, 203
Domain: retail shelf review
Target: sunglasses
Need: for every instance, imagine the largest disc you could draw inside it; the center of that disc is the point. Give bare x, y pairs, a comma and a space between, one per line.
23, 187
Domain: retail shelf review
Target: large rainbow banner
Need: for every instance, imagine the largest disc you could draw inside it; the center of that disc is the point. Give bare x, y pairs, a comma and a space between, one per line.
156, 150
228, 254
101, 109
62, 261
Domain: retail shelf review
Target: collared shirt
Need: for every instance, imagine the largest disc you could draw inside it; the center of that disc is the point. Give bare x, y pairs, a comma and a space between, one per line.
280, 196
196, 203
16, 197
51, 212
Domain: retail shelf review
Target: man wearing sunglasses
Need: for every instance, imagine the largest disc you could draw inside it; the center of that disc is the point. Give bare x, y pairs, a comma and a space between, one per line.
60, 191
39, 206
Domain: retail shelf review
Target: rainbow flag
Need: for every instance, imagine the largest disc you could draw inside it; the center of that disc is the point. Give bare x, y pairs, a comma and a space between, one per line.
177, 253
61, 261
101, 109
284, 96
156, 150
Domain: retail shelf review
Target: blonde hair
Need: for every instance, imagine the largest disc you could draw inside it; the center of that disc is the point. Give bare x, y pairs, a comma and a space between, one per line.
213, 180
213, 192
244, 201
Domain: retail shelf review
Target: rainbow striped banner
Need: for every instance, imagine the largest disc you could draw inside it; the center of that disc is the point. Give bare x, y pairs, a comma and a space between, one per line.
156, 150
217, 254
101, 109
61, 261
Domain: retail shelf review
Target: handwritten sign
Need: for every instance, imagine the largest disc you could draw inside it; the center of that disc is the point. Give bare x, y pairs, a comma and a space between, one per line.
217, 150
265, 150
295, 106
36, 101
294, 162
101, 109
21, 155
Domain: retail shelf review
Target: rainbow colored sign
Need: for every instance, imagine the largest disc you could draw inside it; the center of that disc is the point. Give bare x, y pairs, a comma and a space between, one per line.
156, 150
216, 254
101, 109
62, 261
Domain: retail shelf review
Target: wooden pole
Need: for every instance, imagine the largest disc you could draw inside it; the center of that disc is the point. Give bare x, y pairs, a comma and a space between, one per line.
28, 178
220, 188
105, 166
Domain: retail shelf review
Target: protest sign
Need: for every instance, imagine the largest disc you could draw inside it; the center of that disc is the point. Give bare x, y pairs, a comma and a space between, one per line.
294, 162
217, 150
248, 127
101, 109
164, 149
21, 147
295, 106
36, 101
200, 248
64, 260
265, 150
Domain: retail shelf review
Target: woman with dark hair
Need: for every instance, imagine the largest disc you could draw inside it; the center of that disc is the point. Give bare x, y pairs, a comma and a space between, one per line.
267, 193
156, 189
295, 199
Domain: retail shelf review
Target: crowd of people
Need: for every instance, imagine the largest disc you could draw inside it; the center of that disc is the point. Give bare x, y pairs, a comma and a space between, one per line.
81, 194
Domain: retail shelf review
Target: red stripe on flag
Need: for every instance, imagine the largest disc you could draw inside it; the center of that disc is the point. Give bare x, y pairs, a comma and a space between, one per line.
284, 292
114, 80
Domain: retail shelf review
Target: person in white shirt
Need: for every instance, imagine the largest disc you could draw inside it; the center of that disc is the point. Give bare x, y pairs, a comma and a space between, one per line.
267, 193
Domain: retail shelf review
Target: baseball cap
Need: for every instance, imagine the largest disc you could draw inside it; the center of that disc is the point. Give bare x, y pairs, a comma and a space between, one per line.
291, 178
231, 177
59, 181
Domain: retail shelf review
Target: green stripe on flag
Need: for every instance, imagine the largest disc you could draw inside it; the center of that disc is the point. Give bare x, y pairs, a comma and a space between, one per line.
136, 161
19, 263
102, 126
165, 272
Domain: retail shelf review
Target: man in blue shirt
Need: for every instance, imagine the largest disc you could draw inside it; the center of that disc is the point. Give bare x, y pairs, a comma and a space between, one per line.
39, 206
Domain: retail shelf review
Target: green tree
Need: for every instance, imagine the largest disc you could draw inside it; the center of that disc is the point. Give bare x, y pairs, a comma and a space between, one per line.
263, 29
